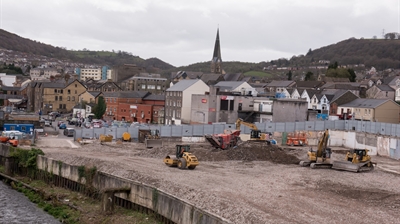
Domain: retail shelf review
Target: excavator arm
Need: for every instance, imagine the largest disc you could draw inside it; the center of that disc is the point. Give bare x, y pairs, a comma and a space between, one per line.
323, 143
240, 122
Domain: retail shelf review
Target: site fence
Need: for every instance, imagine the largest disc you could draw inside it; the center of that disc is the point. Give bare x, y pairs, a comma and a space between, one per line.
201, 130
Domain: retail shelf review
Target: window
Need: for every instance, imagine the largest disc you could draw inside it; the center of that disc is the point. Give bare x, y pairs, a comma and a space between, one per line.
69, 91
158, 87
55, 90
56, 98
60, 106
143, 86
60, 98
73, 98
68, 98
76, 91
23, 128
76, 85
106, 100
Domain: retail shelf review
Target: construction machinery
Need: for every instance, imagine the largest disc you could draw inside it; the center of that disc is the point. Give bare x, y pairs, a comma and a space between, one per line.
296, 139
183, 158
356, 160
153, 139
227, 140
9, 141
320, 158
105, 138
126, 137
255, 134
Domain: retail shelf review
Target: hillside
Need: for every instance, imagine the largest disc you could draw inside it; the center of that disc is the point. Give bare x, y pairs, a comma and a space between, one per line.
378, 53
14, 42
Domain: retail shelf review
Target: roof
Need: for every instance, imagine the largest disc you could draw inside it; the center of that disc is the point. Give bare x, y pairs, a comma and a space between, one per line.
94, 93
278, 83
365, 103
210, 77
127, 94
391, 80
10, 88
183, 85
155, 97
228, 85
232, 77
309, 84
385, 87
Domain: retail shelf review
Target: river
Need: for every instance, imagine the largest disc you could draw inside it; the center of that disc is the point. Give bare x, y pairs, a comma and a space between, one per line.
16, 208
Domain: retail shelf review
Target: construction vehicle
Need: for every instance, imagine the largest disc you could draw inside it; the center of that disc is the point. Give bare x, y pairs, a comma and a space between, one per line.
183, 158
255, 134
296, 139
153, 139
105, 138
227, 140
356, 160
9, 140
126, 137
321, 157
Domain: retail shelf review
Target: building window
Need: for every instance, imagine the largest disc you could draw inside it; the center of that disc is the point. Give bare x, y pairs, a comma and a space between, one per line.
76, 91
76, 85
69, 91
60, 106
56, 98
68, 98
73, 98
60, 98
143, 86
55, 90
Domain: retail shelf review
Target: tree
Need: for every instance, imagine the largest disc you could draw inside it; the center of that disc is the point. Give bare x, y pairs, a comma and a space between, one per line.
309, 76
100, 108
352, 75
289, 75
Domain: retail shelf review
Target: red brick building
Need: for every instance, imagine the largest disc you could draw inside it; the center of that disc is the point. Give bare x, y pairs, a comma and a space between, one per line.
134, 106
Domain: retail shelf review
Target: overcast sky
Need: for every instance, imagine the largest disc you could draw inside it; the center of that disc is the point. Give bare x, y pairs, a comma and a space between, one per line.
182, 32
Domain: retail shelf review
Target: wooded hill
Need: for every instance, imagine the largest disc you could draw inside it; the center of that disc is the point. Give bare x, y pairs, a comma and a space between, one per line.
379, 53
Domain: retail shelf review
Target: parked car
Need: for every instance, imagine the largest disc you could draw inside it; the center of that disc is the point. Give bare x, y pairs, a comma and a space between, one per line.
55, 114
63, 126
59, 123
47, 123
69, 132
73, 121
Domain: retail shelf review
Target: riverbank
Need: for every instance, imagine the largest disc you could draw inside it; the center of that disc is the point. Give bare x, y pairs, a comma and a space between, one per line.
73, 207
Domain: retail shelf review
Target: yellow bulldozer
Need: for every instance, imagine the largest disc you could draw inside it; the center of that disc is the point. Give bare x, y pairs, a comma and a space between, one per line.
183, 158
356, 160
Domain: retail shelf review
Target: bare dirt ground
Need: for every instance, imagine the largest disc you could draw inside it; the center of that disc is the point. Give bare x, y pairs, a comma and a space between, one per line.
253, 183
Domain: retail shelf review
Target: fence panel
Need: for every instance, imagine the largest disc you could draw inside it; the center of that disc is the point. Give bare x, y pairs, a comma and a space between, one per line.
198, 130
310, 126
187, 130
219, 128
87, 133
397, 130
166, 131
300, 126
387, 129
98, 132
319, 125
290, 127
270, 127
280, 127
176, 131
208, 129
340, 125
329, 125
134, 132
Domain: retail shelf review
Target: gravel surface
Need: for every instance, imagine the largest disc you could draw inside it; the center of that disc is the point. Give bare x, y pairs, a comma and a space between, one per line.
253, 183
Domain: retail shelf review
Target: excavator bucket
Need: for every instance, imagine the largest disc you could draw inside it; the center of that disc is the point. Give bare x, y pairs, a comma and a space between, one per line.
150, 143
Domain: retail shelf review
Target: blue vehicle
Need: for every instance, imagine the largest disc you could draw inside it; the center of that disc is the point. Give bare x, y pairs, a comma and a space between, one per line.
63, 126
25, 128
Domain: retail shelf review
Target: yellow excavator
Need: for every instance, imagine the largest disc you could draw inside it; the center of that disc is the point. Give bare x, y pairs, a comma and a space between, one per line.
322, 157
255, 134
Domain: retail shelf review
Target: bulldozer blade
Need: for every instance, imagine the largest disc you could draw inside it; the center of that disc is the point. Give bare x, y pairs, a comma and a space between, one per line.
346, 165
150, 143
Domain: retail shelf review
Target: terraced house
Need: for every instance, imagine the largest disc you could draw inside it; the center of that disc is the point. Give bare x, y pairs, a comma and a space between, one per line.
59, 96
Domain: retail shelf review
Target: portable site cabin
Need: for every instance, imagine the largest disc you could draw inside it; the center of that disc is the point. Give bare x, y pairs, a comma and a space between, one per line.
25, 128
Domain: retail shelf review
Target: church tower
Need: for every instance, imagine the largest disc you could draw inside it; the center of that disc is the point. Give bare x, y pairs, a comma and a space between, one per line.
216, 61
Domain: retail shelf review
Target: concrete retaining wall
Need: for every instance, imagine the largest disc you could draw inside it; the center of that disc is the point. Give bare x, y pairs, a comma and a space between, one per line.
169, 206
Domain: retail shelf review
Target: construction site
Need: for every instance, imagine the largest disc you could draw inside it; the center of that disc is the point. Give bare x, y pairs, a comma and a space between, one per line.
252, 182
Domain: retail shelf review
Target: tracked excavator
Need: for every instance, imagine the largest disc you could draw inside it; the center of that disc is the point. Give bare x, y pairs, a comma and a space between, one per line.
255, 134
322, 157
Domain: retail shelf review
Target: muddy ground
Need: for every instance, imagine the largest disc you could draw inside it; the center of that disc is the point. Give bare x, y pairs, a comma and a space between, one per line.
253, 183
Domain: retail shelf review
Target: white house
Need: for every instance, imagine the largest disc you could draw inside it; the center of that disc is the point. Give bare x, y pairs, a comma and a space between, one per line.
178, 100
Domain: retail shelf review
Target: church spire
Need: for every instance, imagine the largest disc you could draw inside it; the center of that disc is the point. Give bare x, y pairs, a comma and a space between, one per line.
216, 60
